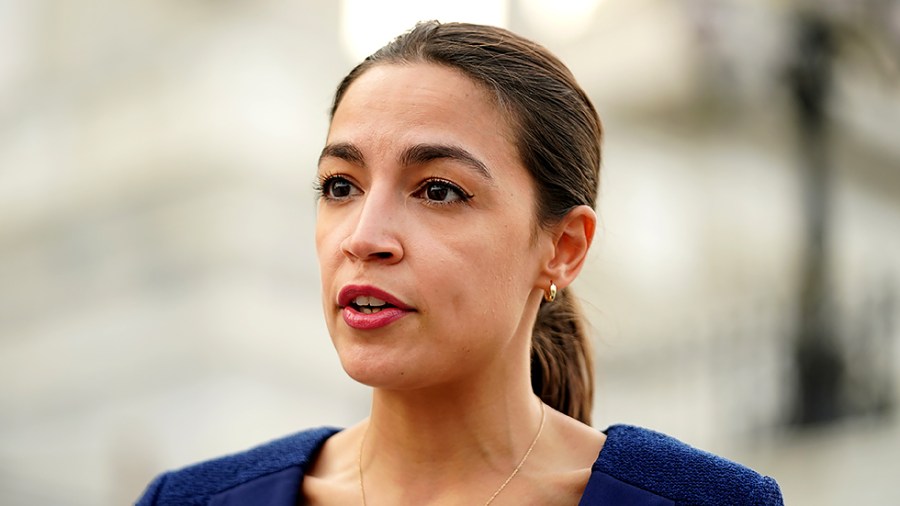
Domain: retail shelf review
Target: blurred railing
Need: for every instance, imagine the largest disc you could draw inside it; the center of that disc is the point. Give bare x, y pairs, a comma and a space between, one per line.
732, 376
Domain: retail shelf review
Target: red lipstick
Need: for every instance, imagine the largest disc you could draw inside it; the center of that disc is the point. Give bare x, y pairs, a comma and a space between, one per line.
378, 308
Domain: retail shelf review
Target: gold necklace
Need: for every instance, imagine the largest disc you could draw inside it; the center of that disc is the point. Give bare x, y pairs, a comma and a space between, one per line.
512, 475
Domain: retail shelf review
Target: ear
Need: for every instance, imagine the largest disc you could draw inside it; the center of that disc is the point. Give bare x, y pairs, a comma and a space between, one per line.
571, 238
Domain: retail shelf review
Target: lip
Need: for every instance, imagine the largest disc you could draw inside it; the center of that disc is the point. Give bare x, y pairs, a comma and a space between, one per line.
363, 321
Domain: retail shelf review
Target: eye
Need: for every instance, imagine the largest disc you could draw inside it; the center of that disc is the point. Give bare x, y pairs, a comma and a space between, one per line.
441, 191
336, 188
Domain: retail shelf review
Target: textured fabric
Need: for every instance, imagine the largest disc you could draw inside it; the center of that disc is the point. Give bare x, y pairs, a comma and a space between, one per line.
636, 467
275, 489
665, 466
200, 483
604, 489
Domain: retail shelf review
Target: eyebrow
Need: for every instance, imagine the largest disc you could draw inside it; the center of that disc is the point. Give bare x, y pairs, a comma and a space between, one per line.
413, 155
422, 153
344, 151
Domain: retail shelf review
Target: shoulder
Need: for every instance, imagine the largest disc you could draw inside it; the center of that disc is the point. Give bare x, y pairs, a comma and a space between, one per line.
197, 483
665, 466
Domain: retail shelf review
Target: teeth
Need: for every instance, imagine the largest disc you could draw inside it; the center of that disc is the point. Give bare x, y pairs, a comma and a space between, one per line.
369, 310
364, 300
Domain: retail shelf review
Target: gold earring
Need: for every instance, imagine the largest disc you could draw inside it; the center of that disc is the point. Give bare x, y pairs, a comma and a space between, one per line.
551, 295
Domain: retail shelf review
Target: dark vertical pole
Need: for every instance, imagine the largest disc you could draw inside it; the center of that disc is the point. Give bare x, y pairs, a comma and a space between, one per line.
819, 363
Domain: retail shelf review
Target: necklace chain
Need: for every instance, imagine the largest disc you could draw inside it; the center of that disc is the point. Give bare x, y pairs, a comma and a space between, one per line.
362, 488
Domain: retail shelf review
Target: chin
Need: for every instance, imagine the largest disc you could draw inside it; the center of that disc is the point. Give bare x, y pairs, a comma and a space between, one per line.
383, 379
370, 369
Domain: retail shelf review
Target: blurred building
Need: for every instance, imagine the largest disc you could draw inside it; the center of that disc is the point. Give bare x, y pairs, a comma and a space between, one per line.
159, 293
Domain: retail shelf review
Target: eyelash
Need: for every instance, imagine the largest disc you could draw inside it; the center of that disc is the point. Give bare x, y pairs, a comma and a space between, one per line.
464, 196
323, 183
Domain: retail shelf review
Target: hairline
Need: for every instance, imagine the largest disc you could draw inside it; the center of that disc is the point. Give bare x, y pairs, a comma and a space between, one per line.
513, 117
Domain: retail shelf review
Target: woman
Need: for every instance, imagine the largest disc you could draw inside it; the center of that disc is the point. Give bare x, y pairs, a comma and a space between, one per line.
457, 187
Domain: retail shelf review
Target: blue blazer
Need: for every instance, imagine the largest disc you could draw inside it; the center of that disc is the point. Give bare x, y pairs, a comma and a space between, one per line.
636, 467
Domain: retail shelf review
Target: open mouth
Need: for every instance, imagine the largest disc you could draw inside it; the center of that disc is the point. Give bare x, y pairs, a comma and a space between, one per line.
367, 304
366, 307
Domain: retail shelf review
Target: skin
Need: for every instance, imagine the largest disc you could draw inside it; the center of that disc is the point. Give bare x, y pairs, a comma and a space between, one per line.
450, 233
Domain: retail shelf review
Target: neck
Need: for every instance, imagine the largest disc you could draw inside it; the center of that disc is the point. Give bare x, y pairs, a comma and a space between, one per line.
435, 439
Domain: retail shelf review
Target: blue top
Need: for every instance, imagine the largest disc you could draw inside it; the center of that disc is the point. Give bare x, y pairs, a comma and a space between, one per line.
636, 467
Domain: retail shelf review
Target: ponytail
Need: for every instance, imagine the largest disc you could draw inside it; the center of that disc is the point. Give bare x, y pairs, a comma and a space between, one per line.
562, 366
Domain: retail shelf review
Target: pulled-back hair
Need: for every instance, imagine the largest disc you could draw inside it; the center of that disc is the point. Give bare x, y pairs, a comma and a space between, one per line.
557, 135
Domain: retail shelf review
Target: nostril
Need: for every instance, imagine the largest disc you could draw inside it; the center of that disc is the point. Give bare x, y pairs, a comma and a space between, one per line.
384, 255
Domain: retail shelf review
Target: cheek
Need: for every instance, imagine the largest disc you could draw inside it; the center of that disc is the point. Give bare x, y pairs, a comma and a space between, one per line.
485, 273
322, 256
327, 243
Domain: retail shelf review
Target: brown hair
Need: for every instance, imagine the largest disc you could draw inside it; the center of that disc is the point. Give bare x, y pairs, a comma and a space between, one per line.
558, 136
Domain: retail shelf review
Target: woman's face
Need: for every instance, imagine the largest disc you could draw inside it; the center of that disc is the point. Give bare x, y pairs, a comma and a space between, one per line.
424, 230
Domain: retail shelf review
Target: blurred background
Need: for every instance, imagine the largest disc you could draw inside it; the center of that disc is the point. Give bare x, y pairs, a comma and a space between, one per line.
159, 293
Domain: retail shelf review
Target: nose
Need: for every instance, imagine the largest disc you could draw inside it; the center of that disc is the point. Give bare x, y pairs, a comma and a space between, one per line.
375, 236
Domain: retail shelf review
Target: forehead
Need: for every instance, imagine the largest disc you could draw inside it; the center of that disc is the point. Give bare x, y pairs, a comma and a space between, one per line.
398, 104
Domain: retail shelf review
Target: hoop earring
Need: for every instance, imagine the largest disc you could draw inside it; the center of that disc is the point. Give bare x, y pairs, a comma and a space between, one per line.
551, 295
